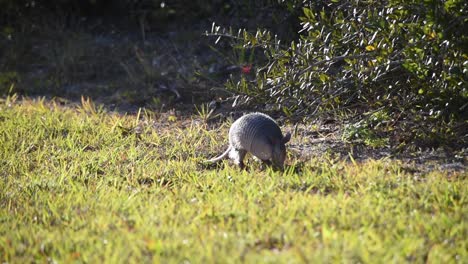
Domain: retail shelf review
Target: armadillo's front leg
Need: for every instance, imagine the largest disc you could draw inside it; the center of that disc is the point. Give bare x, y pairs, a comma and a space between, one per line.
238, 155
265, 164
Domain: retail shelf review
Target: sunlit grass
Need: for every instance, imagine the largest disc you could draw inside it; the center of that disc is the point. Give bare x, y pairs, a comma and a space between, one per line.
82, 184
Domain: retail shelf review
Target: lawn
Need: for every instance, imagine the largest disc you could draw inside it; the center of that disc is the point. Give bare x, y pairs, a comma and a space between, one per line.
82, 184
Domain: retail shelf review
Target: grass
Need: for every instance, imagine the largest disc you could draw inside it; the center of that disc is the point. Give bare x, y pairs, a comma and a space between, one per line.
79, 184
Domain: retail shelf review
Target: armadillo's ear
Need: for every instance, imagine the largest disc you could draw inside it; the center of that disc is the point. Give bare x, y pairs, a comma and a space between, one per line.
286, 138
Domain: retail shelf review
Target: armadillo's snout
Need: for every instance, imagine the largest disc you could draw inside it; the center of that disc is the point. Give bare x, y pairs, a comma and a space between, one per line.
278, 166
279, 155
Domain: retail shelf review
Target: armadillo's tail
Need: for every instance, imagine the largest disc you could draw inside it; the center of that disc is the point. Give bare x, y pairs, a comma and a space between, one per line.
220, 157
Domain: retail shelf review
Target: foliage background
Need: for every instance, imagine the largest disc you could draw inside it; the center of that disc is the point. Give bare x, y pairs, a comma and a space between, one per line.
382, 67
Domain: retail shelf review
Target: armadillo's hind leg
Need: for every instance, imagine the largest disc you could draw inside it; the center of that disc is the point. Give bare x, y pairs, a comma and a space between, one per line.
238, 155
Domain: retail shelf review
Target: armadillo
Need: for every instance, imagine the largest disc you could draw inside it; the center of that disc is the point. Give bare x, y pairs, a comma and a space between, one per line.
258, 134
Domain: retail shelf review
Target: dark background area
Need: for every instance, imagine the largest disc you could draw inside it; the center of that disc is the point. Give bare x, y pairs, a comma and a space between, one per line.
124, 53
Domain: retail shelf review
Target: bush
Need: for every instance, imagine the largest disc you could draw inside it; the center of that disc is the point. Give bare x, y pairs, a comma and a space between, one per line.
406, 58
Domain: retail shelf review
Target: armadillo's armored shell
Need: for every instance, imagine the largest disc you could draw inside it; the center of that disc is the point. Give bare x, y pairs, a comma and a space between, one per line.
257, 133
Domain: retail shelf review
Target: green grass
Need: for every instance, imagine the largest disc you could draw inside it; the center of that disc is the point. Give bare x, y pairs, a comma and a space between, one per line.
78, 184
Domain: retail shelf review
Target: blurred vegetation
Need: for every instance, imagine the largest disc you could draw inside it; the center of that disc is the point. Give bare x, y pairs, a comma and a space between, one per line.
395, 72
157, 14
